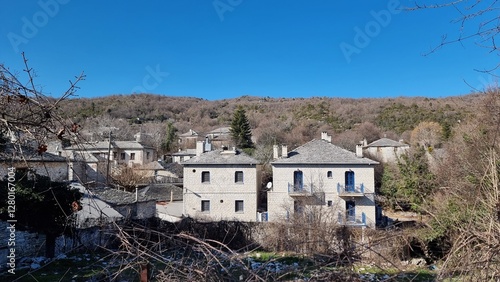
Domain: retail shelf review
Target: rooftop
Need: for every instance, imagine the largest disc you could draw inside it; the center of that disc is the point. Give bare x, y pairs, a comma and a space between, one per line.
222, 157
322, 152
386, 142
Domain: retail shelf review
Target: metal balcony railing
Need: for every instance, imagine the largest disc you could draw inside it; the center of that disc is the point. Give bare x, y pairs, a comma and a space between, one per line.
351, 190
352, 220
299, 190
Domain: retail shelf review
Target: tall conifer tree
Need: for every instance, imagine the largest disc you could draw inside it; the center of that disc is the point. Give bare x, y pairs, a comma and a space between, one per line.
241, 132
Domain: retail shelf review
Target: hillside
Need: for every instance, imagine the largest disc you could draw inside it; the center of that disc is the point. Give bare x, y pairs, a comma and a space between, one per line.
289, 120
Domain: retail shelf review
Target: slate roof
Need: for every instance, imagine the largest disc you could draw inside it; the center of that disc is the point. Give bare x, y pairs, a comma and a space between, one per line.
161, 192
161, 165
187, 152
103, 145
221, 130
118, 197
189, 133
386, 142
222, 157
322, 152
25, 153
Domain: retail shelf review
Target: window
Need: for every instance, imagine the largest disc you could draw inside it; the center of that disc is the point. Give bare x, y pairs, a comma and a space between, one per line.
238, 206
132, 156
147, 155
115, 155
329, 174
122, 156
329, 203
205, 205
238, 177
205, 177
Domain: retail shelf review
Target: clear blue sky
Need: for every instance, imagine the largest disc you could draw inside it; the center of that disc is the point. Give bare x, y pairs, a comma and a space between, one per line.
229, 48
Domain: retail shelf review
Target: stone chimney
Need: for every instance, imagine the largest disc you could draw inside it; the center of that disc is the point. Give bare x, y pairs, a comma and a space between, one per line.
359, 150
284, 151
276, 152
326, 137
200, 148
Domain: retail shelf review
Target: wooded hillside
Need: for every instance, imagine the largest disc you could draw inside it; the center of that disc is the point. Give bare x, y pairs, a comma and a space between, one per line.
284, 120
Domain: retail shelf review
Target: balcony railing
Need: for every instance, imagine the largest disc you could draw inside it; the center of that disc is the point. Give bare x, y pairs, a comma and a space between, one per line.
299, 190
351, 190
352, 220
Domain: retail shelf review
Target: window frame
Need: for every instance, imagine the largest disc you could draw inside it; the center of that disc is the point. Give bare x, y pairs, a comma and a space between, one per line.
329, 174
236, 174
123, 156
205, 206
204, 175
239, 206
132, 156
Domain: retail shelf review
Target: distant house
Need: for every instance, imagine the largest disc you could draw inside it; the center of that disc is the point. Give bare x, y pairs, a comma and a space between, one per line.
322, 175
221, 185
385, 150
187, 140
184, 155
130, 153
168, 199
161, 171
129, 205
220, 137
25, 158
94, 212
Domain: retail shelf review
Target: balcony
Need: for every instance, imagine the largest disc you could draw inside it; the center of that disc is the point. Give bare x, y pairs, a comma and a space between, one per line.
351, 190
352, 220
299, 190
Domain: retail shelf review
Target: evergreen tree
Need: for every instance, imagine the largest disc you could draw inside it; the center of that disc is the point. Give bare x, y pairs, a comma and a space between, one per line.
170, 137
241, 132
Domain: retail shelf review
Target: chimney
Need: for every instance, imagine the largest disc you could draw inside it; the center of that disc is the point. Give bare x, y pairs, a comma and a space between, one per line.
284, 151
136, 194
276, 152
326, 137
365, 143
359, 150
200, 148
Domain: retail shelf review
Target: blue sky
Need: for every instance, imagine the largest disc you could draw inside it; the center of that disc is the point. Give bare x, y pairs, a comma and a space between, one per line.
229, 48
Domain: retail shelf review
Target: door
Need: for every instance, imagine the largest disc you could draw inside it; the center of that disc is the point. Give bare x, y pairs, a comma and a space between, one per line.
349, 181
350, 207
298, 183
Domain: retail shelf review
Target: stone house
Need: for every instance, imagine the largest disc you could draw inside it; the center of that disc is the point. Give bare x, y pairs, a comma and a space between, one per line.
220, 137
129, 205
221, 185
325, 177
385, 150
187, 140
162, 172
29, 159
129, 153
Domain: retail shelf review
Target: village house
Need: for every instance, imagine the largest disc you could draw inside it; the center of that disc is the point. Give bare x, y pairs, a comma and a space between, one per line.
385, 150
221, 185
183, 155
338, 182
187, 140
161, 171
129, 205
220, 137
26, 159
